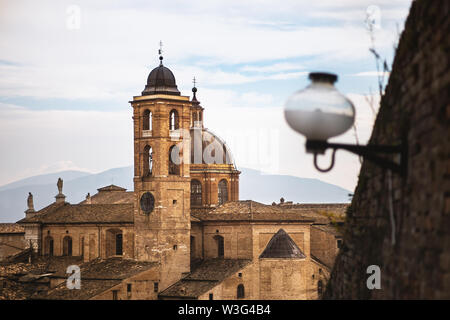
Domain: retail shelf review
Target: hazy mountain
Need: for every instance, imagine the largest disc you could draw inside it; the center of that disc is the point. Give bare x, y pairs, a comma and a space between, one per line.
265, 188
45, 179
253, 185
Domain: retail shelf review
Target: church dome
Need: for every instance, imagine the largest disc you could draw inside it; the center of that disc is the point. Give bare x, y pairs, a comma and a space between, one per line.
204, 142
161, 81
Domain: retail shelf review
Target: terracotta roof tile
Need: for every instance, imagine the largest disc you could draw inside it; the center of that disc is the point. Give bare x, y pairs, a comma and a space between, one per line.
204, 277
85, 213
247, 210
11, 228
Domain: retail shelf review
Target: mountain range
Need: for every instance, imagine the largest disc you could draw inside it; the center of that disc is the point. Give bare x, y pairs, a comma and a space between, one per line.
254, 185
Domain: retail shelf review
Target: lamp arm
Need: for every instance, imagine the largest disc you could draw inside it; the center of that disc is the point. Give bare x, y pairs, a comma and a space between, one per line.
369, 152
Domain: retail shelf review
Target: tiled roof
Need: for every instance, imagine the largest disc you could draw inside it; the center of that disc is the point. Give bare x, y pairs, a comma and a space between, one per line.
282, 246
111, 187
204, 277
85, 213
112, 268
97, 276
247, 210
114, 197
11, 228
51, 207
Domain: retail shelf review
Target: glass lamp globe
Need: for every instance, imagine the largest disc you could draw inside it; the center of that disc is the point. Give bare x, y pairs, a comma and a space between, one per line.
319, 111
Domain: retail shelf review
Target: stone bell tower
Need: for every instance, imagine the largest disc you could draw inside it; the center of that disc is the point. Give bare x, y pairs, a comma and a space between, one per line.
161, 180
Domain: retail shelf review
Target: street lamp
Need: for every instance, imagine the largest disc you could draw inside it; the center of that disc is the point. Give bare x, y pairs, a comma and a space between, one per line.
320, 112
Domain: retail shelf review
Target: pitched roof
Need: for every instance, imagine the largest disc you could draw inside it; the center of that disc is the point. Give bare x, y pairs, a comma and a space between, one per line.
11, 228
282, 246
205, 276
248, 210
111, 187
113, 197
50, 208
85, 213
97, 276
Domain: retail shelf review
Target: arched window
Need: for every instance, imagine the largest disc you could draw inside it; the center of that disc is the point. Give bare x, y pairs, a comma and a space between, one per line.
148, 161
148, 120
174, 121
114, 242
174, 168
223, 191
67, 246
49, 246
319, 287
220, 246
240, 291
119, 244
196, 193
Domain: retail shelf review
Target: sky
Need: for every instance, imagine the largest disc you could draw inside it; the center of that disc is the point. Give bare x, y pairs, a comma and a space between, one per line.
69, 68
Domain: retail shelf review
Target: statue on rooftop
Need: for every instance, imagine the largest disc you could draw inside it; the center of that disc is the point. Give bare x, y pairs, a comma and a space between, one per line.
30, 201
60, 185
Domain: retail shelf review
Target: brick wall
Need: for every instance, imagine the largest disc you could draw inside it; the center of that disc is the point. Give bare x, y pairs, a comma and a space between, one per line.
416, 101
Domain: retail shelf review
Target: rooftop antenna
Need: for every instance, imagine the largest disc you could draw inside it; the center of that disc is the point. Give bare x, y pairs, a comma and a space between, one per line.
160, 51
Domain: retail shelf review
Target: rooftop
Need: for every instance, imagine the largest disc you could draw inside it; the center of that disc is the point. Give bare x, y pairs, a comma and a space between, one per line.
204, 277
282, 246
248, 210
11, 228
83, 213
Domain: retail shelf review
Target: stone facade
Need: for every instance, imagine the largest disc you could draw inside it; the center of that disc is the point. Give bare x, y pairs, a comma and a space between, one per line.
402, 223
182, 233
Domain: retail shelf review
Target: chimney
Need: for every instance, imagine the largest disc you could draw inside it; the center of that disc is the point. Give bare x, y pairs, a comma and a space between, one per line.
88, 198
60, 197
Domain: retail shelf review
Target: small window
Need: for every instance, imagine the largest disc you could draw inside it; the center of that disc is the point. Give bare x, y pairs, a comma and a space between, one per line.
240, 291
174, 201
211, 296
115, 295
174, 120
155, 287
223, 191
175, 247
240, 274
174, 158
339, 244
319, 287
129, 287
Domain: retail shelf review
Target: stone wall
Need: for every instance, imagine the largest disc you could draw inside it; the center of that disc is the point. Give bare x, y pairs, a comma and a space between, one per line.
402, 224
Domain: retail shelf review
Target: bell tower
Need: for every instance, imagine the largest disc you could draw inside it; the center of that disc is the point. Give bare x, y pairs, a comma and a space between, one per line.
161, 117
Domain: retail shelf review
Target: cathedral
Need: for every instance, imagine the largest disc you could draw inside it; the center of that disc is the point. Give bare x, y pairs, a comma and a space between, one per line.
183, 233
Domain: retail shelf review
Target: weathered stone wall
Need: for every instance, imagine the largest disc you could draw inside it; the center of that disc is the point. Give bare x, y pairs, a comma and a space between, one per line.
89, 241
11, 243
324, 245
412, 247
142, 288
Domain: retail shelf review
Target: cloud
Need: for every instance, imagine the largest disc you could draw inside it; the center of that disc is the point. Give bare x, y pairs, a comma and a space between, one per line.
273, 68
371, 74
107, 58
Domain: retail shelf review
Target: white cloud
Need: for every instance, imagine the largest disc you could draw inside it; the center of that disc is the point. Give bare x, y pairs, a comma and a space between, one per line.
372, 74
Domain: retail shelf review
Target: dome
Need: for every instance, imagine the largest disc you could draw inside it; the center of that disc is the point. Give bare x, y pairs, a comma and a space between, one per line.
161, 81
216, 148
